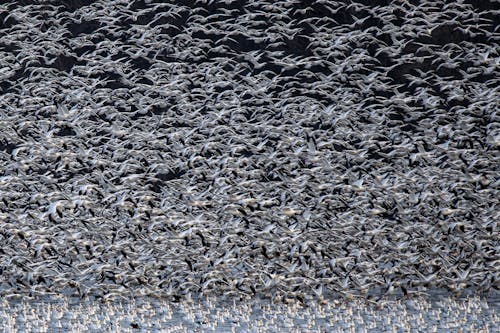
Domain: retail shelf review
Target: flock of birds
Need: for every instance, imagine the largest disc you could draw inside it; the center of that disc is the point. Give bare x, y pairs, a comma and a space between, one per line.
285, 149
472, 314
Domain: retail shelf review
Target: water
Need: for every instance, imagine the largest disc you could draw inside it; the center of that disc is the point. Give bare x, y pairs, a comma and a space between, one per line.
428, 314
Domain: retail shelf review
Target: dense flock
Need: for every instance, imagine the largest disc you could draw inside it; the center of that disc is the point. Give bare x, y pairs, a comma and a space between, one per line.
283, 149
